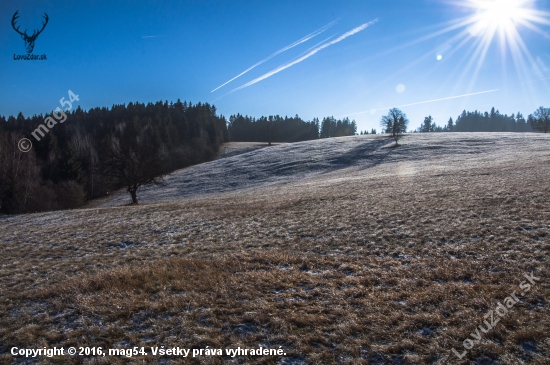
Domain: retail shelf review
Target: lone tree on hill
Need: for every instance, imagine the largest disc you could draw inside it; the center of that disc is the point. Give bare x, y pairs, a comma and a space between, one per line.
540, 119
395, 123
134, 161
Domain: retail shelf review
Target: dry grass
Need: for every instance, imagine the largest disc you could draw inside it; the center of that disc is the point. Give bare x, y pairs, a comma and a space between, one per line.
237, 148
395, 264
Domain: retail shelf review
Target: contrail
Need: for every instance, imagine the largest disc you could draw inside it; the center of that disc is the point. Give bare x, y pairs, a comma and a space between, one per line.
316, 45
309, 54
300, 41
424, 102
527, 82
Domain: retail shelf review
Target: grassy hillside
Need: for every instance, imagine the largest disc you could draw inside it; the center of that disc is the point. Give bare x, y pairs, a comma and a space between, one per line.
345, 250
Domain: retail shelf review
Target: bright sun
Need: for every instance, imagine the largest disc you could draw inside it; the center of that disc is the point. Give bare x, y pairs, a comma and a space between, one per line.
490, 20
496, 15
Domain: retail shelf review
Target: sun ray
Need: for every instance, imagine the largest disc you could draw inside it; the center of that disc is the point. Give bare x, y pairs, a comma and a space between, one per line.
500, 19
484, 47
490, 20
534, 28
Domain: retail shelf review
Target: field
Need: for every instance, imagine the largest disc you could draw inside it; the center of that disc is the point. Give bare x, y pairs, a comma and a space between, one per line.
339, 251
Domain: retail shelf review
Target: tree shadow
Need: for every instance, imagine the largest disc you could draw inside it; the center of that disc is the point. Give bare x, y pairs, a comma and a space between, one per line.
366, 155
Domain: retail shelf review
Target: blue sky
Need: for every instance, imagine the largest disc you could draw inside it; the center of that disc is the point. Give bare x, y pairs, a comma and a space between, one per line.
121, 51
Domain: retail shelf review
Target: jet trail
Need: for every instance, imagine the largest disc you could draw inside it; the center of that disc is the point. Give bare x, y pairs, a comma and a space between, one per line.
426, 102
300, 41
527, 82
309, 54
315, 46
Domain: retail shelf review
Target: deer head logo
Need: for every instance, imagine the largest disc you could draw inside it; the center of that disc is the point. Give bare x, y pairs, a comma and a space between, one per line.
29, 40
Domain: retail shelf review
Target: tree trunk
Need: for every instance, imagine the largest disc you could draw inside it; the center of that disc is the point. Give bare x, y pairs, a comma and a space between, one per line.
133, 193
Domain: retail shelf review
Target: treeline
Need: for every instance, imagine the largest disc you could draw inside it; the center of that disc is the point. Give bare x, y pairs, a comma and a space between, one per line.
82, 155
93, 152
491, 121
278, 129
271, 129
337, 128
477, 121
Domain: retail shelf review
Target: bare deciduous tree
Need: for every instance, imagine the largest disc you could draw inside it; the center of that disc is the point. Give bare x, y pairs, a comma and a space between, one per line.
133, 163
19, 177
540, 119
395, 123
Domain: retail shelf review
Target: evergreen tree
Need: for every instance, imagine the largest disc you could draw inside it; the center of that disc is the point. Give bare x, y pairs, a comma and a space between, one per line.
450, 125
68, 156
428, 125
493, 121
